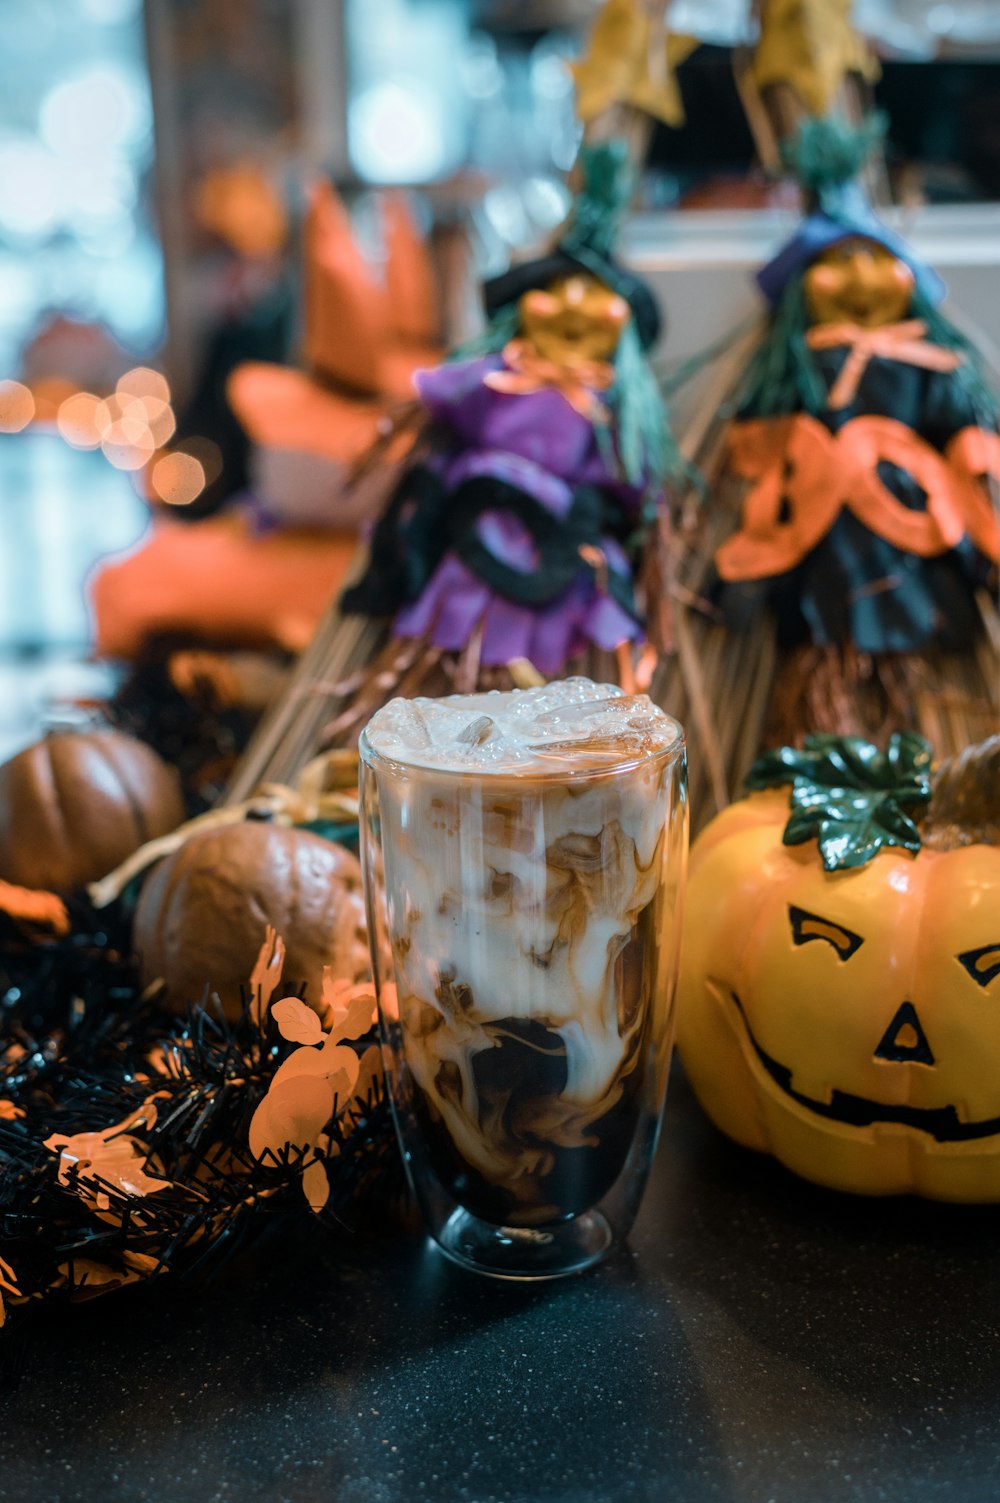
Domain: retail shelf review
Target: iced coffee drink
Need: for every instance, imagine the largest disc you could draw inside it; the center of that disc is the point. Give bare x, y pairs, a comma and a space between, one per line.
528, 849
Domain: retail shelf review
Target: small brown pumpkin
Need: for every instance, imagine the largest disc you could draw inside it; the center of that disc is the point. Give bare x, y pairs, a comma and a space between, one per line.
204, 911
76, 803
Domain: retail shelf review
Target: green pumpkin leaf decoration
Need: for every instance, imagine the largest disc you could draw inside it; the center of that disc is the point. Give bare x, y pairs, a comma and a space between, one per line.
848, 796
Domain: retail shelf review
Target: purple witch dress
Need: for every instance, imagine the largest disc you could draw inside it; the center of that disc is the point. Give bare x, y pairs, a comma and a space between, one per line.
526, 486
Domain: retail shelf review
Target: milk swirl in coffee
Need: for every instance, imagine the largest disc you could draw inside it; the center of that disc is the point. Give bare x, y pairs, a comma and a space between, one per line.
524, 884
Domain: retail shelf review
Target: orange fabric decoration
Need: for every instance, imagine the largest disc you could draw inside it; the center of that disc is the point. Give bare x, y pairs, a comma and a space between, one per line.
797, 466
346, 319
410, 283
221, 583
363, 339
903, 342
32, 906
975, 454
529, 372
281, 407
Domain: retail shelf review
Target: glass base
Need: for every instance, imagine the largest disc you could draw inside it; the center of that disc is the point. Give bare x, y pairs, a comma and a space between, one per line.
512, 1252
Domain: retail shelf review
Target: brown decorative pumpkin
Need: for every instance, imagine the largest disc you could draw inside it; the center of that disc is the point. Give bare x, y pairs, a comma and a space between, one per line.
77, 803
204, 911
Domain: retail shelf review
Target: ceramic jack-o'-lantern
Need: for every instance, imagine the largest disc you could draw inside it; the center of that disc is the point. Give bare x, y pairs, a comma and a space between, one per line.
837, 1004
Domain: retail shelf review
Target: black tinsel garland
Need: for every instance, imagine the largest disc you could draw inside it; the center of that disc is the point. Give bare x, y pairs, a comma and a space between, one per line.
199, 737
81, 1050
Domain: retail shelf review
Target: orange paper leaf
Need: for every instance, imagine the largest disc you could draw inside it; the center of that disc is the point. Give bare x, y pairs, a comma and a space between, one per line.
293, 1114
316, 1184
297, 1022
87, 1278
266, 974
120, 1161
352, 1007
370, 1074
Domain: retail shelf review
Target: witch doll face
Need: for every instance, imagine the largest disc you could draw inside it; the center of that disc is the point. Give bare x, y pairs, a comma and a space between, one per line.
858, 281
574, 321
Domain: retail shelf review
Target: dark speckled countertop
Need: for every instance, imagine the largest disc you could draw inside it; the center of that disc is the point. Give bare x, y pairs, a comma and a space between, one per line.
761, 1340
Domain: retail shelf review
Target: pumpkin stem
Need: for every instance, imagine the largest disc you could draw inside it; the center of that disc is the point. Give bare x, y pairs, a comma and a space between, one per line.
965, 799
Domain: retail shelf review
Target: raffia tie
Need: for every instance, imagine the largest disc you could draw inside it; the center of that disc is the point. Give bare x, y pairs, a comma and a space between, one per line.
904, 342
528, 371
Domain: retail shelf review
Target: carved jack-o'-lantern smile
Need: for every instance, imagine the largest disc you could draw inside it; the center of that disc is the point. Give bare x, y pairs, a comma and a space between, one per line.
903, 1042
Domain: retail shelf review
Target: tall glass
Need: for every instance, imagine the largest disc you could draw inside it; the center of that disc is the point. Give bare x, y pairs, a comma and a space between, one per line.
525, 927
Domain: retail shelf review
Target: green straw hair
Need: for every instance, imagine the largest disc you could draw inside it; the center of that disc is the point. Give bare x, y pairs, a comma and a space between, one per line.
782, 375
647, 451
827, 153
647, 454
504, 326
972, 375
599, 207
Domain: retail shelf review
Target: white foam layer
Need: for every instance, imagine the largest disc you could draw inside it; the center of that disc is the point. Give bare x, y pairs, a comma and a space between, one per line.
563, 725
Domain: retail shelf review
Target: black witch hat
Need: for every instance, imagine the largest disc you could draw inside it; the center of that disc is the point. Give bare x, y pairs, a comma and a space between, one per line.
586, 244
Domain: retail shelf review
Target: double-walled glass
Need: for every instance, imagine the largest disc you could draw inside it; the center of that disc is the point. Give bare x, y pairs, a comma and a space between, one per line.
525, 931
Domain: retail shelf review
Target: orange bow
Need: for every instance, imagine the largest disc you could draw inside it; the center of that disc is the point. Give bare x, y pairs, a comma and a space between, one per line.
903, 342
528, 371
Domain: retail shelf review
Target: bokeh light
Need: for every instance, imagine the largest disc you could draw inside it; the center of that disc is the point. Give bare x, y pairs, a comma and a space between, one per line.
178, 479
103, 108
397, 132
50, 392
31, 186
143, 381
127, 445
158, 417
207, 453
77, 420
111, 12
17, 406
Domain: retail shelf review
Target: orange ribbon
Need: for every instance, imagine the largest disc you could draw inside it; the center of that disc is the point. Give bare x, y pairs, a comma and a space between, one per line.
803, 476
528, 371
903, 342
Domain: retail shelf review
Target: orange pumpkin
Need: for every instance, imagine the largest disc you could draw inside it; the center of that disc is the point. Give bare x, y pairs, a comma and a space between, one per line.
76, 803
203, 913
844, 1017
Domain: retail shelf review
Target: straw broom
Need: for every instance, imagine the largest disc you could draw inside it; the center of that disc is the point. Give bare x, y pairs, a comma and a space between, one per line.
731, 691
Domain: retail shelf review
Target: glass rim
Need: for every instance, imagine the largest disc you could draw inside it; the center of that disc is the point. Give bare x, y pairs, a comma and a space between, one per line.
671, 752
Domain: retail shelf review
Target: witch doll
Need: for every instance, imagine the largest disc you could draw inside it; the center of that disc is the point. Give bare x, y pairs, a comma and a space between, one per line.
517, 543
865, 450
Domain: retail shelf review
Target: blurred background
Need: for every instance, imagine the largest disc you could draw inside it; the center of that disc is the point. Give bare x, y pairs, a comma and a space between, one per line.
153, 165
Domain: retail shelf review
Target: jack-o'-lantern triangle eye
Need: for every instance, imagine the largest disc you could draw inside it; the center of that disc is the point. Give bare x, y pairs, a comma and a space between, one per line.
982, 964
904, 1041
808, 926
